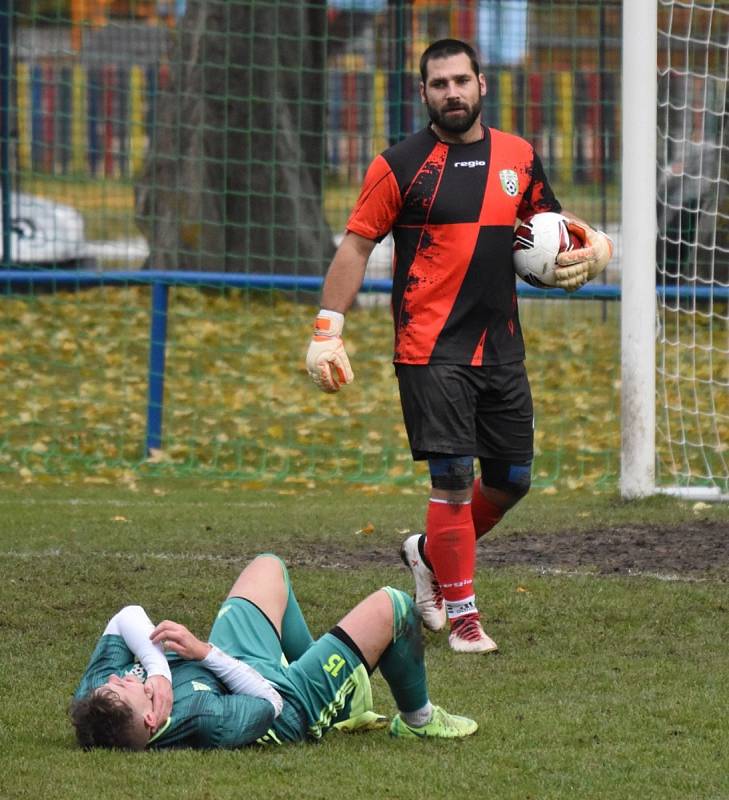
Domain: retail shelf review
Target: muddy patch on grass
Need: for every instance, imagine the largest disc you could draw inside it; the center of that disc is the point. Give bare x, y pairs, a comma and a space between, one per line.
686, 549
692, 549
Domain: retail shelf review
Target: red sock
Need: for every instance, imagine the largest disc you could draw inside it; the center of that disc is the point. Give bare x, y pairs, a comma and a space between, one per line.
485, 513
450, 546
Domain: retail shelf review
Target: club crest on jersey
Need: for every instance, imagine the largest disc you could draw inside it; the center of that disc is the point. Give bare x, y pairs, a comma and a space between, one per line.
138, 671
509, 182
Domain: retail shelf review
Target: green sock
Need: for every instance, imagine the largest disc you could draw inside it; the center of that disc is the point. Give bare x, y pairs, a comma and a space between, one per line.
402, 664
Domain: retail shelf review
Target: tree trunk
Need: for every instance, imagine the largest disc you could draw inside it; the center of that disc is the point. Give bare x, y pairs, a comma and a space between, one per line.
233, 178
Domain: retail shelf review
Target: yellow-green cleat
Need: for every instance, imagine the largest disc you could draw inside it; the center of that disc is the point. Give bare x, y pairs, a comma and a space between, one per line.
442, 725
361, 723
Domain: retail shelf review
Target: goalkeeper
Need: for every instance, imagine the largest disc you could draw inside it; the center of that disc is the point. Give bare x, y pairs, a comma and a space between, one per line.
451, 195
260, 677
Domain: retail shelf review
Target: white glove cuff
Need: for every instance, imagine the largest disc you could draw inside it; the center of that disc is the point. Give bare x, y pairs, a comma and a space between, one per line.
602, 233
336, 322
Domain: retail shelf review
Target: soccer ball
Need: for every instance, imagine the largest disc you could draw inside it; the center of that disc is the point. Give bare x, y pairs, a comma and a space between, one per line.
537, 243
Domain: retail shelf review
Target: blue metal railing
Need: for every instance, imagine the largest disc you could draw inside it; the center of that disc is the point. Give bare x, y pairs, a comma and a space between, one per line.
23, 279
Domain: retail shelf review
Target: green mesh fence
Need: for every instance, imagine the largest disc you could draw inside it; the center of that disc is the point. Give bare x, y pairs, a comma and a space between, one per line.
231, 137
238, 403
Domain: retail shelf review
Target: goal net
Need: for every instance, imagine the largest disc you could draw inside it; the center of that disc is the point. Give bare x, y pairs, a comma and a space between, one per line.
692, 275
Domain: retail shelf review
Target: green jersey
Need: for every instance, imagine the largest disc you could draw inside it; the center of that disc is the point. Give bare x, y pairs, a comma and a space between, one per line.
204, 714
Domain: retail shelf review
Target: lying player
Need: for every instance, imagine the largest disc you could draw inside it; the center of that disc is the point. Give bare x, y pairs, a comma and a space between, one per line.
260, 678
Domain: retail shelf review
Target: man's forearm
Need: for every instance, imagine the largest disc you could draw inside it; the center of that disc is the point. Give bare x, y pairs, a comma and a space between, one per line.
346, 273
326, 359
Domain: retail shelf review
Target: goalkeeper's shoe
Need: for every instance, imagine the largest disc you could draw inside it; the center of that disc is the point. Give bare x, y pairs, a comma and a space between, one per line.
442, 725
467, 636
428, 595
361, 723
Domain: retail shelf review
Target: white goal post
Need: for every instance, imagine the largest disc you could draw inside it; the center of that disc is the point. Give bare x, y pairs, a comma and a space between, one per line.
675, 264
638, 226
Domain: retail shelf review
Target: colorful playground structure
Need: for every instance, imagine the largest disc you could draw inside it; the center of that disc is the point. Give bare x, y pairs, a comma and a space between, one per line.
96, 121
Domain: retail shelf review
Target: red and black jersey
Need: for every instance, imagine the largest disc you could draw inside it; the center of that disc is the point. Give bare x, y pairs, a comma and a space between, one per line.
452, 209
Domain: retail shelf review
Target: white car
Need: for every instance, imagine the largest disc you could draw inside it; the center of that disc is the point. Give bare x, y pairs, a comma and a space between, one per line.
45, 234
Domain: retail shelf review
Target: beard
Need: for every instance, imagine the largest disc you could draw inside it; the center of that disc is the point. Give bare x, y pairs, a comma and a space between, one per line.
459, 124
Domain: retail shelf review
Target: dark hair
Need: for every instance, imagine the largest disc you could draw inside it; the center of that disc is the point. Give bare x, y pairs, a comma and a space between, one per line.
444, 48
102, 719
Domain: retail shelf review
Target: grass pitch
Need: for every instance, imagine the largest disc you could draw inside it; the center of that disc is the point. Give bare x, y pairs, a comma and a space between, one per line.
604, 686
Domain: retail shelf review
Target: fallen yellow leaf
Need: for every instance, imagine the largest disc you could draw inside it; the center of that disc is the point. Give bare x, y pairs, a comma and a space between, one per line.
368, 529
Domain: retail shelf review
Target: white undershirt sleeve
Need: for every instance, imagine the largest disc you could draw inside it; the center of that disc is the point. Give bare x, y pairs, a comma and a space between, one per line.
135, 627
240, 678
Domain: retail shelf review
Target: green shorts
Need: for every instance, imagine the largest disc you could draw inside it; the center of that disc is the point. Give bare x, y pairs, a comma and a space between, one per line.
327, 684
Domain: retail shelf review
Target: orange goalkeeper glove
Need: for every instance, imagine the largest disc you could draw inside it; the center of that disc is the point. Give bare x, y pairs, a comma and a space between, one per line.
576, 267
326, 360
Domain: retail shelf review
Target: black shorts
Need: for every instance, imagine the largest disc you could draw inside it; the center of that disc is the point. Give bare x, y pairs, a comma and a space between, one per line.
456, 410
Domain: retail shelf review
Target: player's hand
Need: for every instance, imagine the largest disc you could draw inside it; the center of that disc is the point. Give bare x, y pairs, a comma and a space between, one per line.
177, 638
161, 695
573, 274
576, 267
326, 361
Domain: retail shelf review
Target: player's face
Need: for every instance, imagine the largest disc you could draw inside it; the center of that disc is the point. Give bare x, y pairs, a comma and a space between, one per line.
452, 93
131, 691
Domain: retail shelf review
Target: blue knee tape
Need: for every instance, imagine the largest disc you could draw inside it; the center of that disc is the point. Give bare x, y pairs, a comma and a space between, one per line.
451, 473
516, 479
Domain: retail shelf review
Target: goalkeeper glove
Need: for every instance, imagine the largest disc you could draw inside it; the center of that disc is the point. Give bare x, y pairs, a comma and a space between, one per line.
326, 361
576, 267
